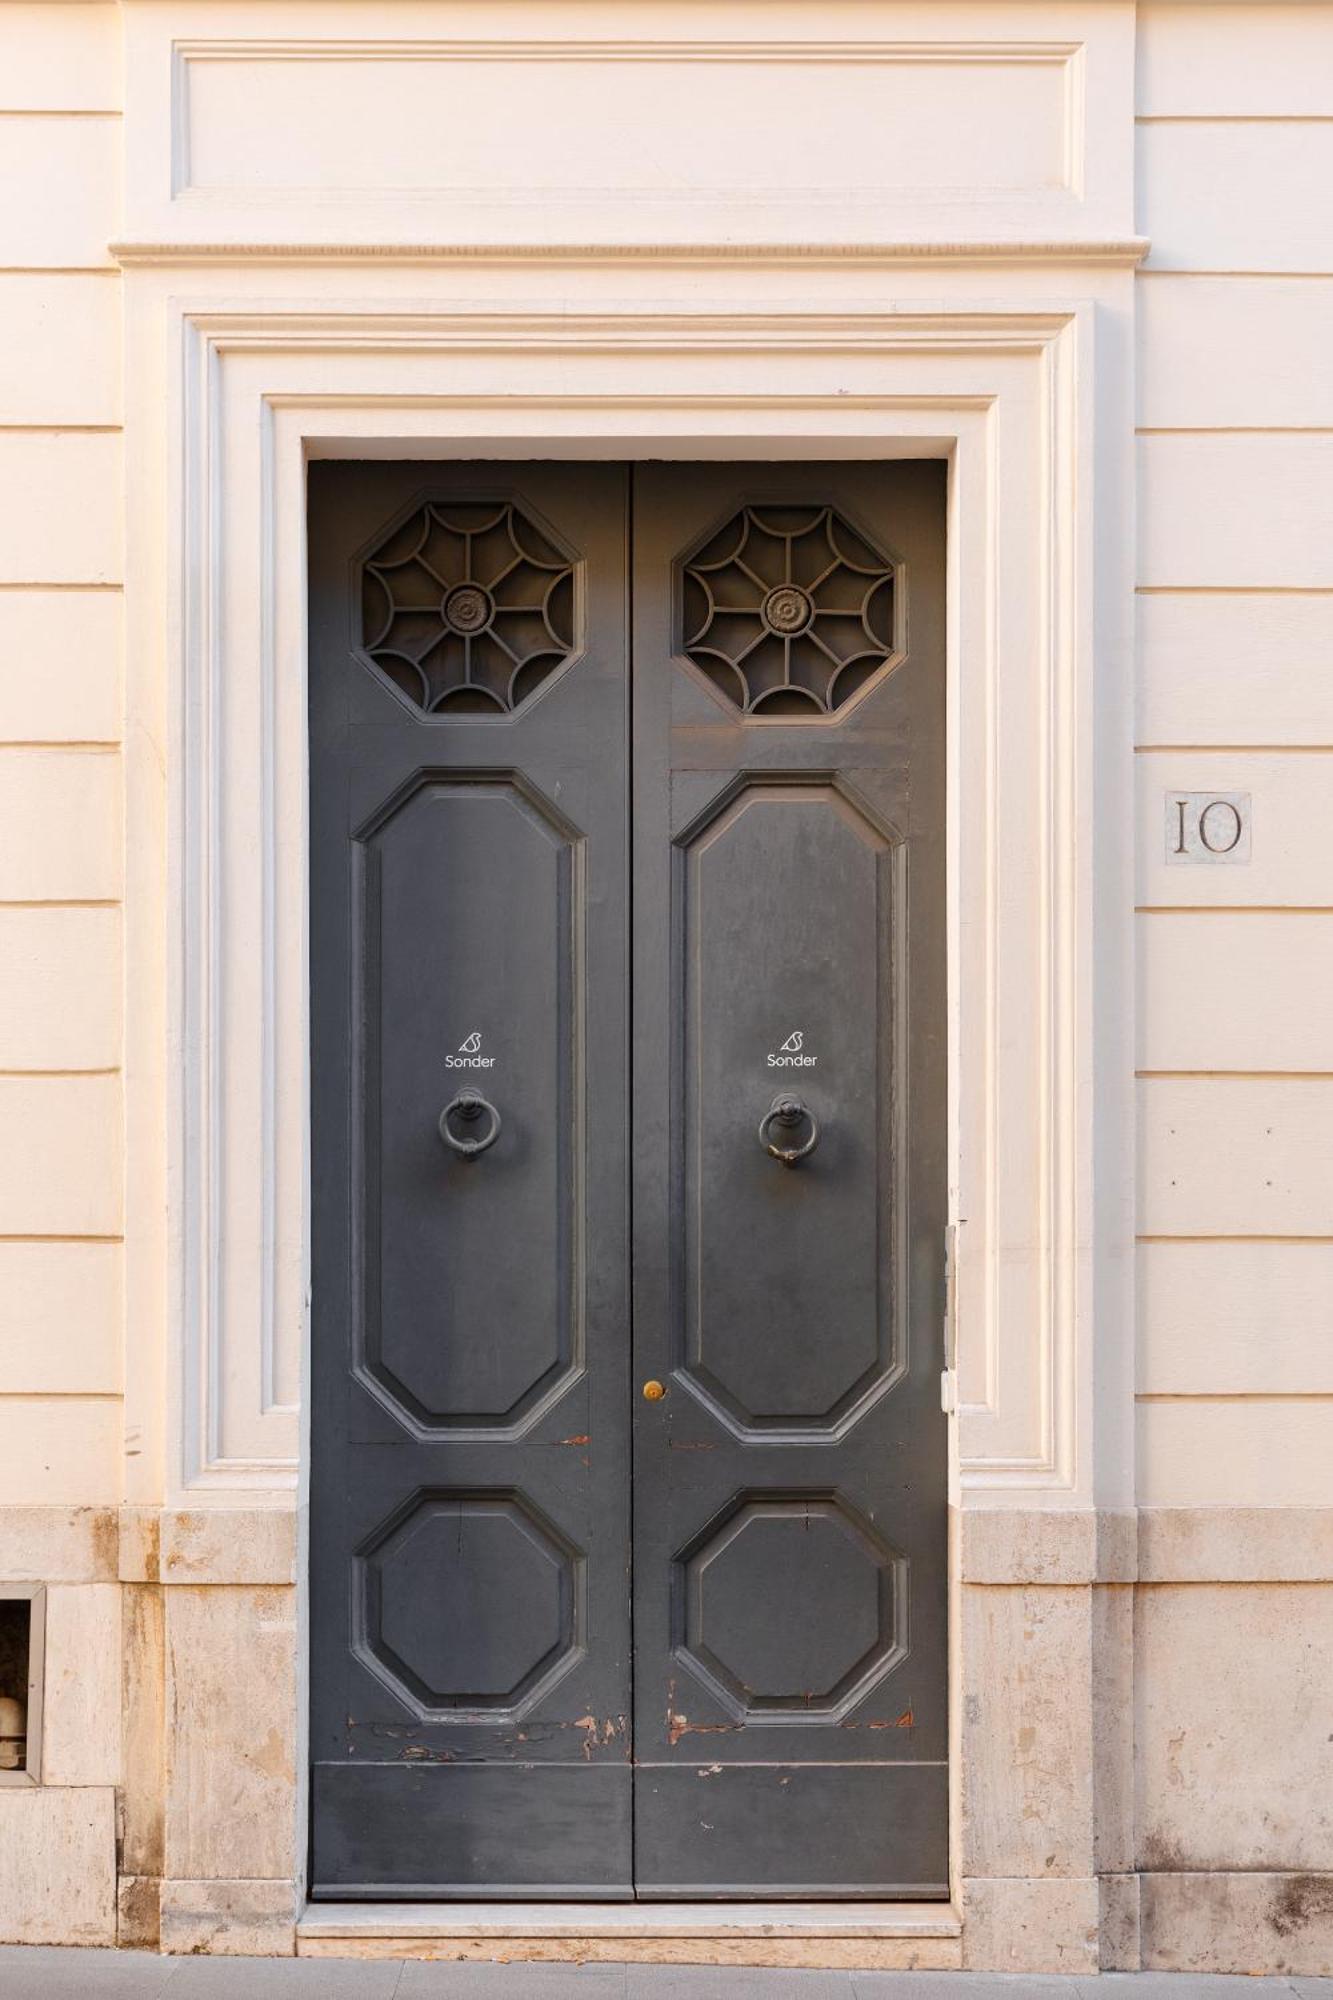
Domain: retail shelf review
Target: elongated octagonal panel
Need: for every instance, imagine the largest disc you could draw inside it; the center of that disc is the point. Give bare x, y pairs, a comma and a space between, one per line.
789, 983
469, 1291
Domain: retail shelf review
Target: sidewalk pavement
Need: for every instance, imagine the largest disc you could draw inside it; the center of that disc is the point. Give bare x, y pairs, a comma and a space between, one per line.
31, 1972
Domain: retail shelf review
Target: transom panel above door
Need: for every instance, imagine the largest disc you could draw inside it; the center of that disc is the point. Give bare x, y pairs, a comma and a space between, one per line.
627, 889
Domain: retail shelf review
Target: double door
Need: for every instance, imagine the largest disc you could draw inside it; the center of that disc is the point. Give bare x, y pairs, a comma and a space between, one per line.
628, 1180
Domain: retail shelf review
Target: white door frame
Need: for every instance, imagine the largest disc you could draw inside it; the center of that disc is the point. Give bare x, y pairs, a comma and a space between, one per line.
233, 387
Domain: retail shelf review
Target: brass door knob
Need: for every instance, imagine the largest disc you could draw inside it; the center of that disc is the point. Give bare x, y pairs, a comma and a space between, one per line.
653, 1392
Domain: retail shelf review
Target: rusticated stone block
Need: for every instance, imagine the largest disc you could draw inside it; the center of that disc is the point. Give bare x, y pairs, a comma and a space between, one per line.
139, 1914
58, 1865
1017, 1926
1027, 1737
231, 1749
1235, 1761
58, 1544
240, 1919
1253, 1923
143, 1711
1119, 1942
228, 1545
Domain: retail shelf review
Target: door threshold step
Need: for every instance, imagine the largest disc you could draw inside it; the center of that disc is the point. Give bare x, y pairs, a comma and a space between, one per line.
629, 1919
867, 1936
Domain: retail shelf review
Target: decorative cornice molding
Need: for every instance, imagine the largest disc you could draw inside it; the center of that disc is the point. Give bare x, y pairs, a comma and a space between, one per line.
639, 48
708, 330
1129, 250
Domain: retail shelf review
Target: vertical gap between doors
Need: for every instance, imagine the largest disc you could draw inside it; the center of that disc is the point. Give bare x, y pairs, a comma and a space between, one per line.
630, 943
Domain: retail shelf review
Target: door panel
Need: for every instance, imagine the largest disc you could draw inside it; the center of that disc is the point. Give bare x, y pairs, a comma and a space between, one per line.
470, 1506
790, 1721
790, 892
428, 878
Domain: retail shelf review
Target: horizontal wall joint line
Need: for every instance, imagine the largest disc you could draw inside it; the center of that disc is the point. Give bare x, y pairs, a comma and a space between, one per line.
28, 1236
61, 1395
1233, 590
60, 111
1234, 1396
1186, 271
1233, 430
1230, 1236
55, 429
46, 1075
1240, 1075
1233, 909
59, 271
60, 583
1233, 118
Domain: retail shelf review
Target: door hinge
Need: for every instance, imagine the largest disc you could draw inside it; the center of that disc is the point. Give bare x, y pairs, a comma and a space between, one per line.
949, 1373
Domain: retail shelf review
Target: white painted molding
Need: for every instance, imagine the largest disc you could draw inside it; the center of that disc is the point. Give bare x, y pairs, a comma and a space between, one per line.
213, 82
621, 133
640, 48
1118, 250
1007, 394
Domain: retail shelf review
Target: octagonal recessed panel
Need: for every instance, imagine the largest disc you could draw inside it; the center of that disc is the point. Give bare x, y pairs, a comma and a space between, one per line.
789, 611
467, 607
468, 1314
468, 1602
791, 1606
790, 956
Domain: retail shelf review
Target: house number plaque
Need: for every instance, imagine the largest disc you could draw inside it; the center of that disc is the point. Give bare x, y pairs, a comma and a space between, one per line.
1207, 826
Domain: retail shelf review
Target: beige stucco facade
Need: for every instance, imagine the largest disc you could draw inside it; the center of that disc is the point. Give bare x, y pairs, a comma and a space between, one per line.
1077, 249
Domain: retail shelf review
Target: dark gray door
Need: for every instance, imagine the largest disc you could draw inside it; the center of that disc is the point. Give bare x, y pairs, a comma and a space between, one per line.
468, 837
789, 1180
782, 1136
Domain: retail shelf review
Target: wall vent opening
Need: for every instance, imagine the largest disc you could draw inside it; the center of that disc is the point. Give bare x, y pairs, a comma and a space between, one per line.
22, 1644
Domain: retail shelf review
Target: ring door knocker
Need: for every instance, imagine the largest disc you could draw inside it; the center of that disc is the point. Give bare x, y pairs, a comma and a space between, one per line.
785, 1114
468, 1109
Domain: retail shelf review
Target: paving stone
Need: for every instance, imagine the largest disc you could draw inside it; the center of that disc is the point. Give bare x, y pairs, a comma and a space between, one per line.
1191, 1986
432, 1979
57, 1972
747, 1982
205, 1978
967, 1985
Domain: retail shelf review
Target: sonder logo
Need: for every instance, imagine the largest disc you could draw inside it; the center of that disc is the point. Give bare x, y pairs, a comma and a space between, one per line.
469, 1054
789, 1056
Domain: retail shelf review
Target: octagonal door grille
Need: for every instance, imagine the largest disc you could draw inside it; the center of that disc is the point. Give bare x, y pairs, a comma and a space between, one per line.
790, 611
626, 893
468, 606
